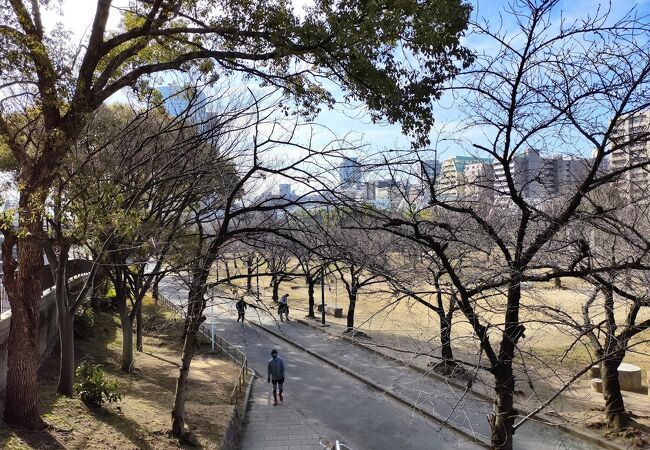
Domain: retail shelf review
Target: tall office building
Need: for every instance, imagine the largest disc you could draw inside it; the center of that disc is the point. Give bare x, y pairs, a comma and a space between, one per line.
632, 134
286, 191
178, 100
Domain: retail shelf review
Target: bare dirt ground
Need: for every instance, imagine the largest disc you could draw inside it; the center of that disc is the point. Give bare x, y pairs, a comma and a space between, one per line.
142, 419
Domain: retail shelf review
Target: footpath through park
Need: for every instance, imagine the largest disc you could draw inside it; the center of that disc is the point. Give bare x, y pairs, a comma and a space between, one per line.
318, 397
342, 391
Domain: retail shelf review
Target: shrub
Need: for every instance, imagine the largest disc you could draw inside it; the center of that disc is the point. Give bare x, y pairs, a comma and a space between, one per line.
84, 322
92, 387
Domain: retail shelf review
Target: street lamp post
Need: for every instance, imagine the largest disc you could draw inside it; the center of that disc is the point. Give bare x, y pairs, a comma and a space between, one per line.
322, 296
212, 324
257, 277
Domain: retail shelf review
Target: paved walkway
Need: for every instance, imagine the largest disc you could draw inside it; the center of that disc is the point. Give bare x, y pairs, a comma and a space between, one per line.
275, 427
440, 399
341, 407
332, 404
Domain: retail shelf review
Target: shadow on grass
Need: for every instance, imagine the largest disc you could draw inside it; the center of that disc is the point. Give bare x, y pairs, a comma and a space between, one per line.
127, 427
172, 363
33, 439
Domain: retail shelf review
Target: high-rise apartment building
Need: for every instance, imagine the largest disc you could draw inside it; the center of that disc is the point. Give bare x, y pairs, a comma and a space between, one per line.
539, 178
479, 182
429, 170
632, 134
451, 182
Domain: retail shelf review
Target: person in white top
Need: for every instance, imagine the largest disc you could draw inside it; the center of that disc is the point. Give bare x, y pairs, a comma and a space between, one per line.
283, 307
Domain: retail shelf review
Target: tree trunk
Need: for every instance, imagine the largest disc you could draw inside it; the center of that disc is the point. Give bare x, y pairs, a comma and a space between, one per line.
127, 330
445, 337
352, 295
67, 362
225, 263
138, 327
100, 288
276, 289
155, 292
24, 290
310, 294
617, 418
249, 274
196, 299
503, 418
65, 319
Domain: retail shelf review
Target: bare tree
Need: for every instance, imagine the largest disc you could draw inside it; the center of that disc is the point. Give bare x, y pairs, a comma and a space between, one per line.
49, 85
549, 86
240, 212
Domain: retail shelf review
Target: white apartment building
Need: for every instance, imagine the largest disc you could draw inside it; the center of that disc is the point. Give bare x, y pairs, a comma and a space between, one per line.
632, 134
479, 182
451, 183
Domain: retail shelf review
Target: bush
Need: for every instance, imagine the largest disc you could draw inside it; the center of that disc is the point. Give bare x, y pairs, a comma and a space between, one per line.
92, 388
84, 322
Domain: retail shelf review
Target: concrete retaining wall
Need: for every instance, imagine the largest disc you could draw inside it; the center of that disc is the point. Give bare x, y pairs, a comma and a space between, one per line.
48, 331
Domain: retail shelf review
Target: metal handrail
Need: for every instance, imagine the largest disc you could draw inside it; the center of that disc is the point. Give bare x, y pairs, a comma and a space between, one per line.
237, 356
224, 347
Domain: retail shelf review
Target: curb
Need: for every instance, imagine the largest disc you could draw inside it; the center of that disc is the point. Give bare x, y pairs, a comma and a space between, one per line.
428, 373
585, 437
233, 434
378, 388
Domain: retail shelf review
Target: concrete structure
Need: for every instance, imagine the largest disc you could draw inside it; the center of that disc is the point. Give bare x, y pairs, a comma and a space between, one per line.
48, 331
429, 170
629, 376
597, 385
540, 178
568, 172
531, 175
479, 179
269, 427
350, 171
632, 134
286, 191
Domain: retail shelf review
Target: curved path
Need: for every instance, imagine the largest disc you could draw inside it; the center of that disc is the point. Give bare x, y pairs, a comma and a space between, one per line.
338, 406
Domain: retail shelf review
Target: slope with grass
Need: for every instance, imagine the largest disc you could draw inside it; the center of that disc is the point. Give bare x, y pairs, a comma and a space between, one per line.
142, 418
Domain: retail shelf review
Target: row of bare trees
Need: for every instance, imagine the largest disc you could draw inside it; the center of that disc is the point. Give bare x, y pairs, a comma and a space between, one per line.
544, 88
146, 192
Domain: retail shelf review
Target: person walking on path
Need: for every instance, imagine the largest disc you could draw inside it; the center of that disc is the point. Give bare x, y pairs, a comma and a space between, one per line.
241, 306
283, 307
275, 375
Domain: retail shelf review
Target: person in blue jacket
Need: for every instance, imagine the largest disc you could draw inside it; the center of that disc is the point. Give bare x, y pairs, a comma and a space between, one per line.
275, 374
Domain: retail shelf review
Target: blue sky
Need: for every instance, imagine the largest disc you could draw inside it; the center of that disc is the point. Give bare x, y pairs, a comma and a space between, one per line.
348, 121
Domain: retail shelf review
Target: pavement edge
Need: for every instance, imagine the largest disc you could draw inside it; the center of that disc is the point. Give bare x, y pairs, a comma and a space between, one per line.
378, 388
592, 438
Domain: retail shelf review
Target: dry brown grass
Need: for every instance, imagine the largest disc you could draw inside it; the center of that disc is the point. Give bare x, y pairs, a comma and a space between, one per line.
141, 420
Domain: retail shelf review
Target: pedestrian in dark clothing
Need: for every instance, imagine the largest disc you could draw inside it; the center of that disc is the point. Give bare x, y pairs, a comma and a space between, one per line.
241, 309
283, 307
275, 375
